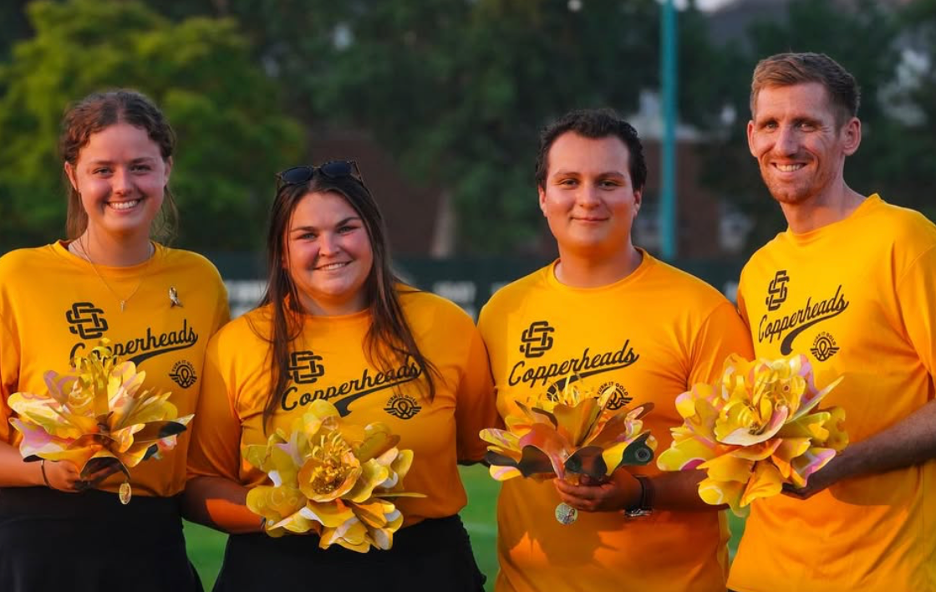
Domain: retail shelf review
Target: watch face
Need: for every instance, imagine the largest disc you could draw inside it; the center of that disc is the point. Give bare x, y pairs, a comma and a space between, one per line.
639, 512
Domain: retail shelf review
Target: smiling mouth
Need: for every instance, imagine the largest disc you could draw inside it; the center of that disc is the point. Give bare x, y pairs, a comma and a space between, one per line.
789, 168
332, 266
124, 205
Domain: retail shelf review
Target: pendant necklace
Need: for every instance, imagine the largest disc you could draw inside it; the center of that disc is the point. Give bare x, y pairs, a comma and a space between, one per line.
123, 301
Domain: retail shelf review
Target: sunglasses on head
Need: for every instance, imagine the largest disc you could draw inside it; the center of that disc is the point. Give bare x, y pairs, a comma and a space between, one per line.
335, 169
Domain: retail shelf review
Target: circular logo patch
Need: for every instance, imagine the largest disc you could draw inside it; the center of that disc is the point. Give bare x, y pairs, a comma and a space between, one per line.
183, 373
402, 406
617, 398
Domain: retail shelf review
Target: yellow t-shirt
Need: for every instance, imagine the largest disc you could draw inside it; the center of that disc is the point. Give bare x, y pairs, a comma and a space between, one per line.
650, 336
858, 297
329, 363
54, 305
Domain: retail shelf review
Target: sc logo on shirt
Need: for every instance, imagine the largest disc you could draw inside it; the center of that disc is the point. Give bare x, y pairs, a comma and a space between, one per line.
304, 367
777, 290
87, 321
537, 339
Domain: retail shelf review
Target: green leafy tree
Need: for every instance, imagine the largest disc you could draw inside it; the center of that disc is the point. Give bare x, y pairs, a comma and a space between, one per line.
456, 90
460, 90
225, 110
708, 73
13, 25
915, 165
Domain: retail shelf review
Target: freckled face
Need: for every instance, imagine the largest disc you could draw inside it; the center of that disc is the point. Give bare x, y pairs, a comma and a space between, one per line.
797, 142
328, 255
589, 199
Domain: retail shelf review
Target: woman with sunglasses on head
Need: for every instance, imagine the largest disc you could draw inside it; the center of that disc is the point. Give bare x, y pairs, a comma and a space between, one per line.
334, 314
157, 306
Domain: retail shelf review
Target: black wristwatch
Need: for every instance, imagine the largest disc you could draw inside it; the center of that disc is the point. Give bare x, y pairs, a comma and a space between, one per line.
644, 506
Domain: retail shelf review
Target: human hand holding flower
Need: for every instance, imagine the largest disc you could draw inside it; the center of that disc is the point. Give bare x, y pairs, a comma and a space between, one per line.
618, 491
331, 478
61, 475
756, 430
96, 419
572, 435
821, 480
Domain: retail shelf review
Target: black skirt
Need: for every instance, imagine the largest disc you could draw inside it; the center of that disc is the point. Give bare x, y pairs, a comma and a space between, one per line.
431, 555
88, 542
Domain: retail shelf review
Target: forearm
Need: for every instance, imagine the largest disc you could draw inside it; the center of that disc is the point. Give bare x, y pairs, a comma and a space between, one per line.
14, 472
909, 442
679, 491
219, 503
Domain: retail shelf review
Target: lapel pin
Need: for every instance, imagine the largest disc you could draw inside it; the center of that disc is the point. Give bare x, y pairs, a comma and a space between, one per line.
174, 297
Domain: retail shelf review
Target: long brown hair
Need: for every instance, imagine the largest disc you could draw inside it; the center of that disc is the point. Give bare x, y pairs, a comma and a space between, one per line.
93, 114
389, 340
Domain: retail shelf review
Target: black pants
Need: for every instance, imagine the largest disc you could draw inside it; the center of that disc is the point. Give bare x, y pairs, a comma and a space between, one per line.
431, 555
87, 542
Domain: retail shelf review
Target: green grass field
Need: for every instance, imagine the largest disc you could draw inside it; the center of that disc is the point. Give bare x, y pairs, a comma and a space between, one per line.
206, 546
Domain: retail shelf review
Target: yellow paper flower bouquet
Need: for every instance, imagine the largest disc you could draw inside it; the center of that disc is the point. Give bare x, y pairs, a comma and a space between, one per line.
756, 430
98, 417
331, 478
568, 433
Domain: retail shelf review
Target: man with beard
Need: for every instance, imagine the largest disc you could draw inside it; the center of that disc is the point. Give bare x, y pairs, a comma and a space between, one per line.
852, 285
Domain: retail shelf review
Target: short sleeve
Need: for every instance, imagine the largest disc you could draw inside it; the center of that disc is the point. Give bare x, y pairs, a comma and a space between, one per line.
916, 299
216, 433
9, 378
742, 307
223, 309
475, 407
723, 333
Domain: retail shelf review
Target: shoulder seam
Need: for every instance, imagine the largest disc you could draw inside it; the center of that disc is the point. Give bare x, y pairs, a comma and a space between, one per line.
913, 264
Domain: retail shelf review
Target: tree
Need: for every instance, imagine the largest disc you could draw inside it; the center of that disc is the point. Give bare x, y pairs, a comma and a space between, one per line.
708, 73
13, 25
224, 109
915, 165
459, 91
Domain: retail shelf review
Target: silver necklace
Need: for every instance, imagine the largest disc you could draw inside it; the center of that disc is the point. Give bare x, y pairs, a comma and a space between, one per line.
123, 301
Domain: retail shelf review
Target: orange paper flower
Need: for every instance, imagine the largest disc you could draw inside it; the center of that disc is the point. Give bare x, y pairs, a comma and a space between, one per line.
755, 430
97, 416
331, 478
571, 431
